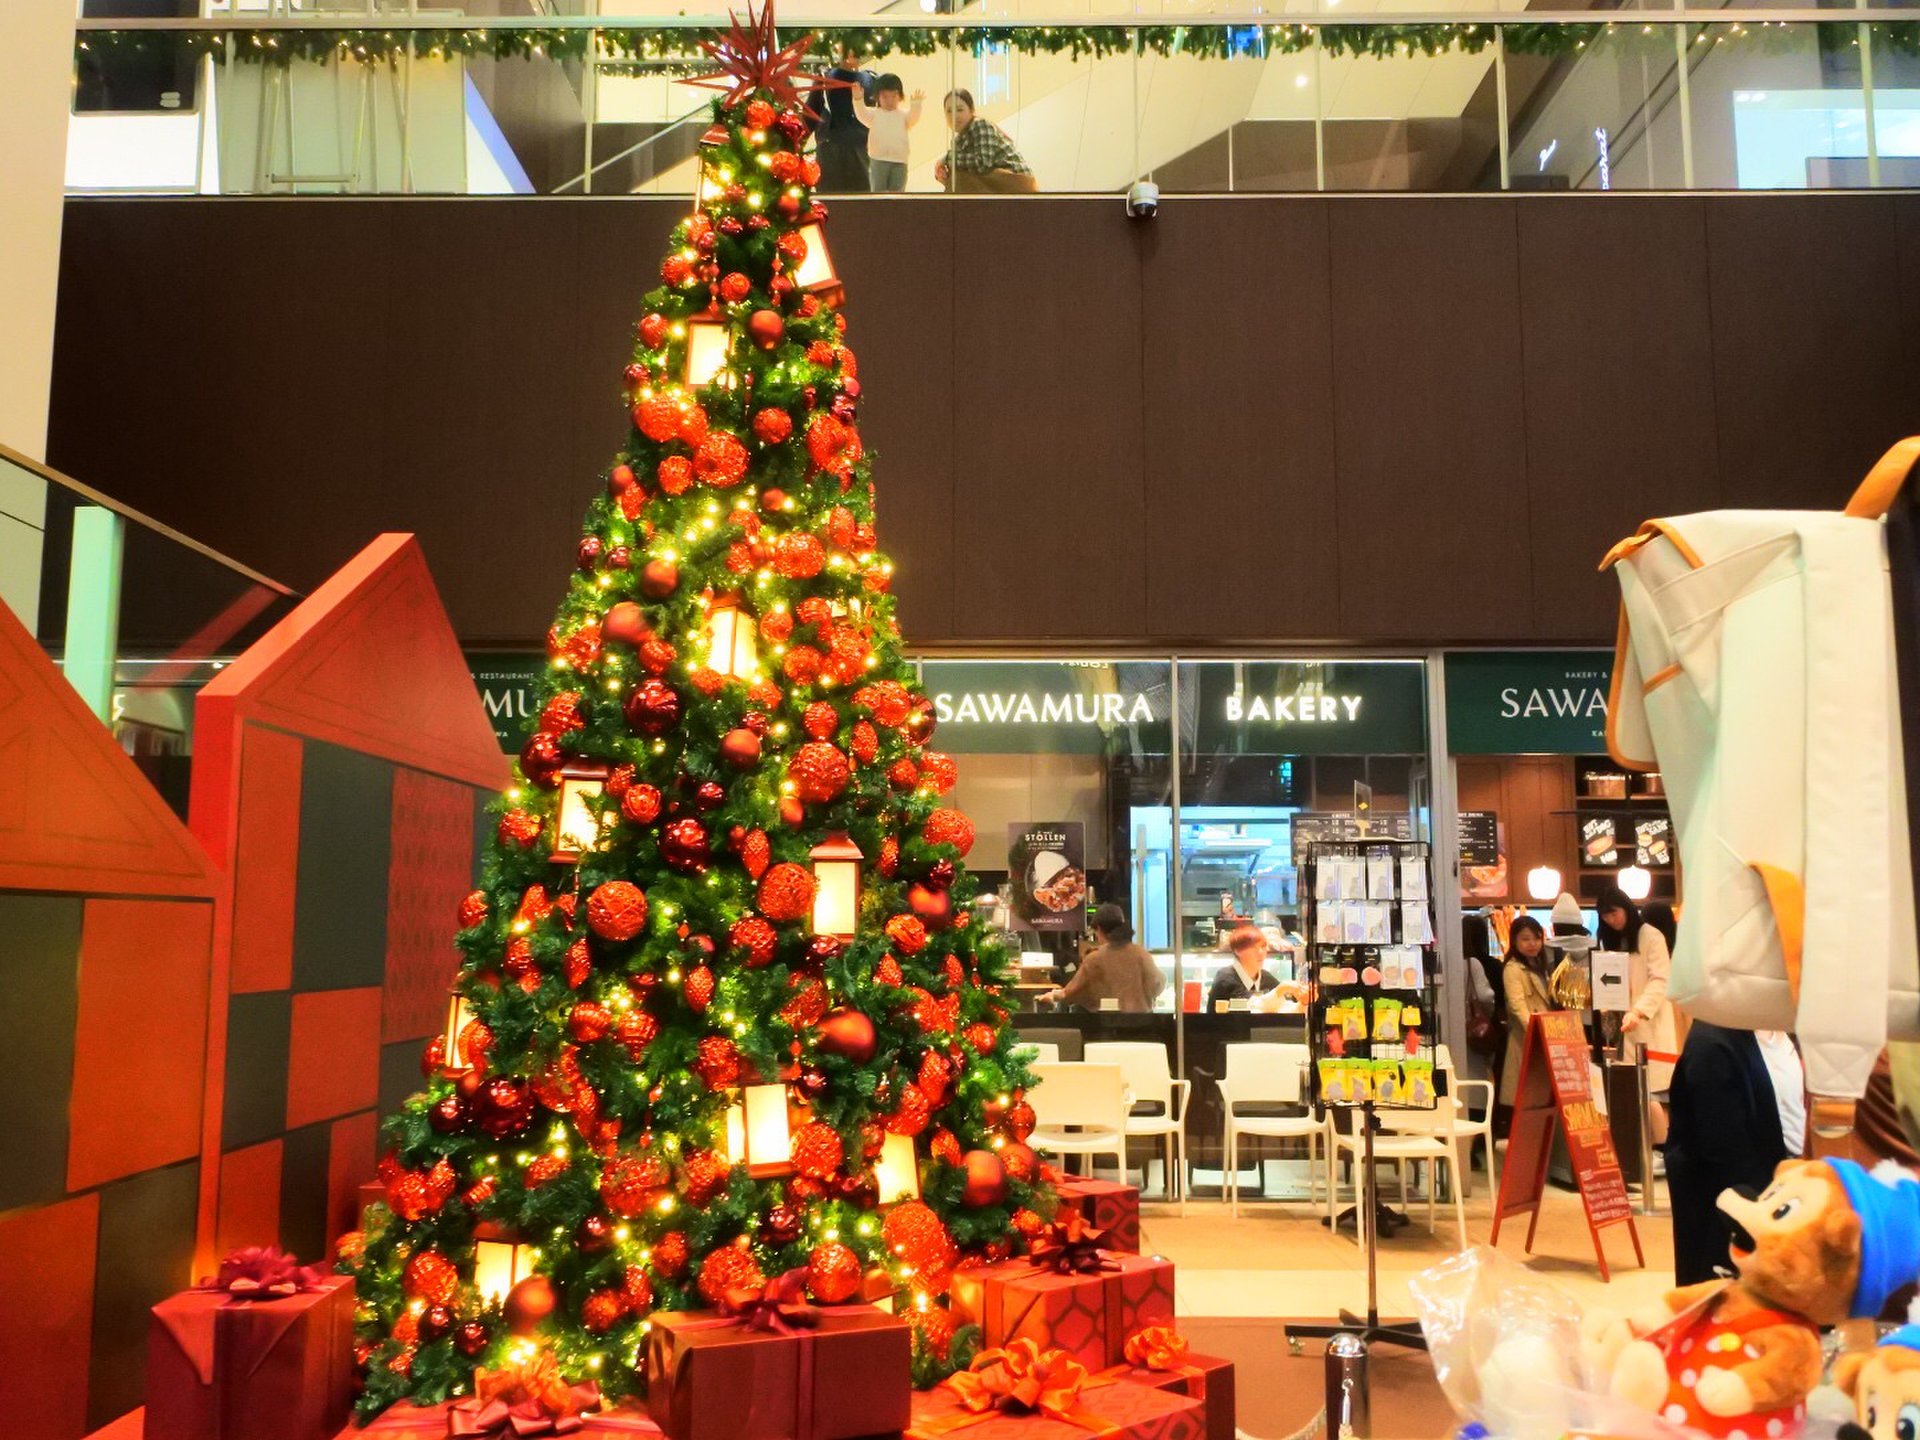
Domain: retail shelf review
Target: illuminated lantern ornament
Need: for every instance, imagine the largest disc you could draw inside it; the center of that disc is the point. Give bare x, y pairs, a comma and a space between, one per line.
707, 344
836, 886
499, 1263
577, 830
459, 1016
731, 649
897, 1172
758, 1134
1543, 883
813, 271
1636, 882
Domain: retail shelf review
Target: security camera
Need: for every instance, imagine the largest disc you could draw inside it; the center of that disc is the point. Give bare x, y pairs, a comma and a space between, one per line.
1143, 200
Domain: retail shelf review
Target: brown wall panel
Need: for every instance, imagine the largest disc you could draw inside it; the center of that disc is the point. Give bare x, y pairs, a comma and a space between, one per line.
1378, 419
1428, 414
1814, 369
1240, 477
1619, 392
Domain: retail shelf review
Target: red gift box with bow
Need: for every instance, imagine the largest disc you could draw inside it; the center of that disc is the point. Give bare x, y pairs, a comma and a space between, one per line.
1103, 1205
770, 1366
263, 1352
1023, 1392
1069, 1295
430, 1422
1160, 1359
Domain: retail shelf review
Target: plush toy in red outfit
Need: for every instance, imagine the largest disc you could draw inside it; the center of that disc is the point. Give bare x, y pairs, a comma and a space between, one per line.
1736, 1359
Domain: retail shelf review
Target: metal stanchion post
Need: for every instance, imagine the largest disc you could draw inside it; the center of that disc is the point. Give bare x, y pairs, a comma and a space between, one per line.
1647, 1205
1349, 1412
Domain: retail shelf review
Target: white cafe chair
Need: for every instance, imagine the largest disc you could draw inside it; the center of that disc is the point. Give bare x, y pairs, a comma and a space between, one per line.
1267, 1074
1038, 1052
1415, 1135
1080, 1109
1465, 1126
1149, 1078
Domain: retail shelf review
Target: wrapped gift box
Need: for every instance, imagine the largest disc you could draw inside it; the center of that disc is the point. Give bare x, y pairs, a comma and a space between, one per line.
1103, 1205
1089, 1316
1133, 1412
429, 1422
1206, 1378
711, 1378
251, 1369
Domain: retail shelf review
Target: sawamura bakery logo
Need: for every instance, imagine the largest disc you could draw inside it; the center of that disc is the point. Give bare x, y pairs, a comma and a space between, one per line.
1304, 707
1003, 707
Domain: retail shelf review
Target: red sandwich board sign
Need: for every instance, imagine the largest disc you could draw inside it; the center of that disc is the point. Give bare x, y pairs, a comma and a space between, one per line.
1556, 1088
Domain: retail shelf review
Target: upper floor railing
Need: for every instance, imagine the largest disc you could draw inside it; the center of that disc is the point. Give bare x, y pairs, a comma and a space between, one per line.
384, 98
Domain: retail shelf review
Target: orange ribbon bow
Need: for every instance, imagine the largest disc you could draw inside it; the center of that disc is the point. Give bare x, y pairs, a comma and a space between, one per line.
527, 1399
1157, 1347
1023, 1379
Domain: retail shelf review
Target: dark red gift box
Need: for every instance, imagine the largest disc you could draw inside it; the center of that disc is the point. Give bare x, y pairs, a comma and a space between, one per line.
710, 1377
1206, 1378
1127, 1411
429, 1422
1089, 1316
1103, 1205
226, 1369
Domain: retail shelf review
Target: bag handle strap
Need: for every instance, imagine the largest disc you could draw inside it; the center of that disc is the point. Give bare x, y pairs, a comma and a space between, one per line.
1876, 493
1830, 1127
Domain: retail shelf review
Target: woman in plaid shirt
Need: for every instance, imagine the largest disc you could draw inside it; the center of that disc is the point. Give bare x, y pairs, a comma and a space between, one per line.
982, 158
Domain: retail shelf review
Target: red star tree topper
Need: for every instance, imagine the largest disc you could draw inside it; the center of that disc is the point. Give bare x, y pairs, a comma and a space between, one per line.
723, 1010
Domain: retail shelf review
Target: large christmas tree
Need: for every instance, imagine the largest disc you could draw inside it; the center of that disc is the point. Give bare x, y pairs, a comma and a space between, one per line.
723, 1011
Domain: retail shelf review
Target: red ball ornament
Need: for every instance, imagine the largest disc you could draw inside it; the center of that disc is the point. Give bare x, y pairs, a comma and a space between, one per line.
675, 474
731, 1267
921, 721
621, 479
632, 1184
908, 933
540, 760
504, 1106
986, 1179
772, 426
472, 1339
786, 892
657, 418
601, 1311
710, 795
934, 906
833, 1273
756, 939
588, 555
866, 742
802, 664
659, 579
721, 460
949, 827
625, 623
563, 714
944, 1147
529, 1303
914, 1233
473, 909
704, 1176
888, 972
448, 1115
982, 1037
735, 287
684, 845
653, 708
1020, 1120
799, 556
653, 331
760, 114
1019, 1162
617, 910
782, 1225
676, 269
636, 1031
765, 328
832, 444
641, 804
670, 1254
637, 1289
934, 1328
435, 1322
717, 1061
792, 812
820, 720
819, 772
911, 1113
848, 1034
740, 748
429, 1276
594, 1235
817, 1150
698, 990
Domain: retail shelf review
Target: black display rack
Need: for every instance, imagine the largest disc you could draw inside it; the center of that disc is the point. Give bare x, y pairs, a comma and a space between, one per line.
1368, 909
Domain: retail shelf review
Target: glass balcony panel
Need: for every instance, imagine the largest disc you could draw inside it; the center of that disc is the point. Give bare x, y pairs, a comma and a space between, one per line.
1604, 117
1777, 107
1408, 108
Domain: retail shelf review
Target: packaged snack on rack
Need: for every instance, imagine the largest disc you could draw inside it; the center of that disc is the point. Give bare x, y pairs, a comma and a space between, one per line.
1418, 1078
1389, 1086
1353, 922
1380, 877
1354, 1017
1413, 878
1360, 1080
1336, 1086
1379, 922
1386, 1019
1327, 915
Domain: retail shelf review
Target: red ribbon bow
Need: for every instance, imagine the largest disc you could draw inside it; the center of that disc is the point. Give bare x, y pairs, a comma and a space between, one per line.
780, 1306
522, 1401
1072, 1247
260, 1272
1157, 1347
1022, 1379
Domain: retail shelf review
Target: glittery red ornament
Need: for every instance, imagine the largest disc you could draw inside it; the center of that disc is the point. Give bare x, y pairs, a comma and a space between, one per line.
562, 713
833, 1273
934, 1328
935, 1075
983, 1038
755, 938
808, 1005
1020, 1120
617, 910
721, 460
820, 720
543, 1169
653, 708
911, 1112
1020, 1162
675, 474
589, 1021
832, 444
676, 269
802, 664
684, 845
540, 760
782, 1225
529, 1303
601, 1311
703, 1176
849, 1034
760, 114
641, 804
637, 1289
772, 426
698, 990
632, 1184
636, 1031
588, 555
731, 1267
889, 861
907, 933
766, 327
986, 1179
887, 699
709, 795
625, 624
819, 772
473, 909
948, 827
657, 418
817, 1150
659, 579
776, 626
756, 852
939, 771
475, 1041
693, 424
914, 1233
786, 892
430, 1276
735, 287
888, 972
504, 1106
740, 748
799, 555
653, 330
792, 812
656, 654
865, 743
944, 1147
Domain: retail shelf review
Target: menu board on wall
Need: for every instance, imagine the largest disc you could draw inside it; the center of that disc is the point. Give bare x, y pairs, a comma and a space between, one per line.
1479, 837
1599, 842
1047, 864
1653, 840
1345, 825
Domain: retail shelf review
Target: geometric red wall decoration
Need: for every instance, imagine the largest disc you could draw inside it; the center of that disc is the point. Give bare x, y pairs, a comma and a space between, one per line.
333, 1055
266, 861
350, 1160
47, 1257
430, 868
140, 1044
249, 1197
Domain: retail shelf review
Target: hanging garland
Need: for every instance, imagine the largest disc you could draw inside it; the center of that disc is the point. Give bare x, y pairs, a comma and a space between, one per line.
674, 50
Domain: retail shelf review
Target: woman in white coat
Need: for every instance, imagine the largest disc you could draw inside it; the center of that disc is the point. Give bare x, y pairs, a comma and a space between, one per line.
1649, 1024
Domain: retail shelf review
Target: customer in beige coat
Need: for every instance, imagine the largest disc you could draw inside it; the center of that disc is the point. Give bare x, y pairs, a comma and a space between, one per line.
1649, 1024
1523, 984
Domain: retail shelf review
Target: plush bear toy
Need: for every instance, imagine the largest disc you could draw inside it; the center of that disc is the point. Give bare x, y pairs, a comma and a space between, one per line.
1885, 1385
1736, 1359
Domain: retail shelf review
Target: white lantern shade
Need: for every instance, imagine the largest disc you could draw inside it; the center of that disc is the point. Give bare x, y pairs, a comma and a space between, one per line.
836, 886
731, 647
577, 830
1636, 881
897, 1172
498, 1266
813, 272
707, 343
758, 1134
1543, 883
459, 1016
